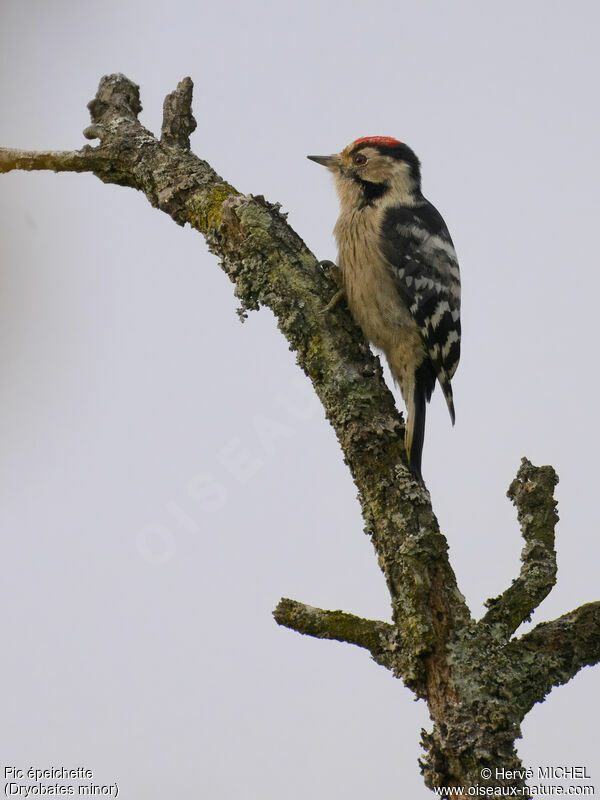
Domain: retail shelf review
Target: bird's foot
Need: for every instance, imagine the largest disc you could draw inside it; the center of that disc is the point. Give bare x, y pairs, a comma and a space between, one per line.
335, 273
339, 295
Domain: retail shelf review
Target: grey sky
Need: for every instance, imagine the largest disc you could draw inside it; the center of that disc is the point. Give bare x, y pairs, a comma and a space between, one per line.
168, 474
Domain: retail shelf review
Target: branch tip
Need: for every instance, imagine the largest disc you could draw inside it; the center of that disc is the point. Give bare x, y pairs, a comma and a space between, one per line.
532, 492
116, 96
178, 121
375, 636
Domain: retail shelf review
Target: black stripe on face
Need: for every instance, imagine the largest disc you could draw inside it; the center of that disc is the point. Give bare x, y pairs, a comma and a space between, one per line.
372, 191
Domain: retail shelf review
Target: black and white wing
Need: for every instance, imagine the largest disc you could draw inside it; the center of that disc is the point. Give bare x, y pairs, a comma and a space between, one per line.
417, 245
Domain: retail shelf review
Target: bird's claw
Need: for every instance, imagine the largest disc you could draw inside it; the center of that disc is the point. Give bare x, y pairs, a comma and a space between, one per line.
335, 273
334, 301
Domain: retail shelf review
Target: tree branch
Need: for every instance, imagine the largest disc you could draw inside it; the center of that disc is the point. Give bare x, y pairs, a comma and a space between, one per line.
378, 638
270, 265
553, 652
178, 121
445, 657
84, 160
532, 491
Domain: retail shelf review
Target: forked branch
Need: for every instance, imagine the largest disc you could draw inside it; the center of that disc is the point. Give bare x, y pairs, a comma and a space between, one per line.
477, 681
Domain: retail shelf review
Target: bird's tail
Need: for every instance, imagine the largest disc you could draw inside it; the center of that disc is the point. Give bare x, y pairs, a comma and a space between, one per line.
447, 390
416, 410
414, 433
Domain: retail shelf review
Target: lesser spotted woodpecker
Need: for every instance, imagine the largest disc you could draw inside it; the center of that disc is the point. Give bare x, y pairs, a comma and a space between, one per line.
400, 272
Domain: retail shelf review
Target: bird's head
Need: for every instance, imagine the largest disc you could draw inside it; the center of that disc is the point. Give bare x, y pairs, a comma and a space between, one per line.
373, 170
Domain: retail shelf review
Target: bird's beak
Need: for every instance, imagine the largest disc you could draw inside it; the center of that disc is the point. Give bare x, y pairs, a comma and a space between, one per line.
327, 161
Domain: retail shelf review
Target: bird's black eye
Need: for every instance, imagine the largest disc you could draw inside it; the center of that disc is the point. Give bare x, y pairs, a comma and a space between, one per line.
360, 158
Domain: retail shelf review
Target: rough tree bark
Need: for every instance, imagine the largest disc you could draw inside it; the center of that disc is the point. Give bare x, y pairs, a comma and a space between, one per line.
478, 680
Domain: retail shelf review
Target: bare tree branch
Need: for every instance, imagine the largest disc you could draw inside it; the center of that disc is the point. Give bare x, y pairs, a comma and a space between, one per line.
379, 638
532, 491
85, 160
477, 682
553, 652
270, 265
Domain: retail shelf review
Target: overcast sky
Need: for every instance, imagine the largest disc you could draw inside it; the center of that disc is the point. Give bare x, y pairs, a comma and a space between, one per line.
167, 472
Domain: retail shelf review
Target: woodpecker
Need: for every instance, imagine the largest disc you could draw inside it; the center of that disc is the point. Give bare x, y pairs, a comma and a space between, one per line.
399, 272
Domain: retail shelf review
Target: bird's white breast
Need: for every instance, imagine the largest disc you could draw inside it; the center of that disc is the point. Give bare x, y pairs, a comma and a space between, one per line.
373, 298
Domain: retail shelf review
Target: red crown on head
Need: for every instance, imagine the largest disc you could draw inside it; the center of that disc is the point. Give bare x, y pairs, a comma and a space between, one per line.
385, 140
